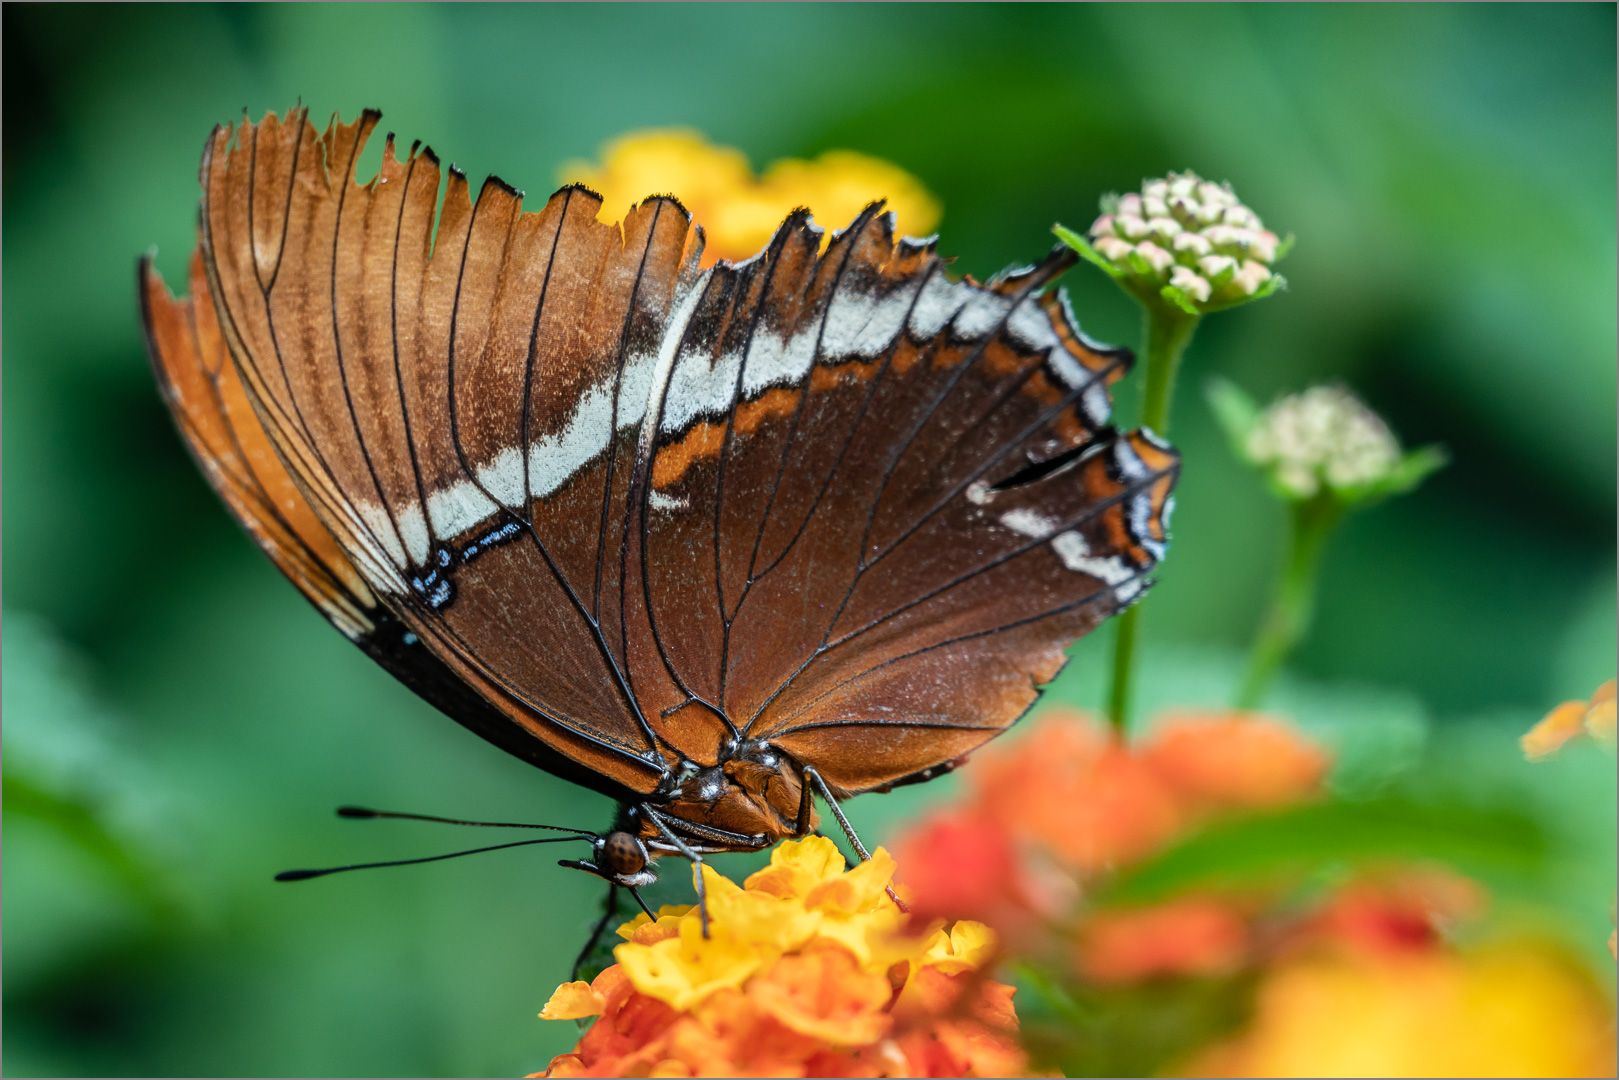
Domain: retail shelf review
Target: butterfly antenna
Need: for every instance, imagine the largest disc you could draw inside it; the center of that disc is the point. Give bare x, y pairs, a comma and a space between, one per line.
305, 875
366, 812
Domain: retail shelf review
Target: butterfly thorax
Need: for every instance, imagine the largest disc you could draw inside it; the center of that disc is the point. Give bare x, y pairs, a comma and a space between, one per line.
753, 790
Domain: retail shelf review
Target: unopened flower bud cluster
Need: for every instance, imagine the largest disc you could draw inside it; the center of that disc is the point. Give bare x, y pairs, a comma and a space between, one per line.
1188, 233
1323, 435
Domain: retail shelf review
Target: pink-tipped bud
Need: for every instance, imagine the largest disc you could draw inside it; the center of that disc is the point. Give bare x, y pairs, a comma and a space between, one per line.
1219, 269
1193, 233
1113, 248
1131, 227
1194, 285
1156, 257
1251, 277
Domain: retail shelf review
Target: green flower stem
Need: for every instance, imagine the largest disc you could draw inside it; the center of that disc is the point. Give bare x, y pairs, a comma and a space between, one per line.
1310, 523
1165, 334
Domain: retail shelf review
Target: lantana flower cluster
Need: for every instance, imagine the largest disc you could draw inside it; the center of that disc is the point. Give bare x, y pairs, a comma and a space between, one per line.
739, 210
1323, 435
1321, 444
1190, 236
811, 969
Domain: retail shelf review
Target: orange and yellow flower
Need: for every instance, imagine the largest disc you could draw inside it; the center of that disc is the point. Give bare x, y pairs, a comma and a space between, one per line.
810, 969
738, 210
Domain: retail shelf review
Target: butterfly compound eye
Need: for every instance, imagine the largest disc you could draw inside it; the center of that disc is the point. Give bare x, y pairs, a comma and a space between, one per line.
621, 854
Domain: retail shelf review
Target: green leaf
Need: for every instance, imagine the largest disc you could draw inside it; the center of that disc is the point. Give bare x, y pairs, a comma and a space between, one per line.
98, 833
1415, 467
1178, 299
1086, 252
1139, 1030
1305, 840
1276, 283
1236, 412
1404, 476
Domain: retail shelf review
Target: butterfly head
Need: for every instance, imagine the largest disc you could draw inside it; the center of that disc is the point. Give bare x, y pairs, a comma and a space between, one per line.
619, 857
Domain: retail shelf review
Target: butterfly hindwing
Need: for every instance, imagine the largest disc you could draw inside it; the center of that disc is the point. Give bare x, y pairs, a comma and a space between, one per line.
909, 496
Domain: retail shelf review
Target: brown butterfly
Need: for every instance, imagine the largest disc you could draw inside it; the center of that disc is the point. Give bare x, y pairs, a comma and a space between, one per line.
713, 541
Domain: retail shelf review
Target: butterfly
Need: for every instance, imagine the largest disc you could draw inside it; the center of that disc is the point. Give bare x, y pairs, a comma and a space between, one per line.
715, 540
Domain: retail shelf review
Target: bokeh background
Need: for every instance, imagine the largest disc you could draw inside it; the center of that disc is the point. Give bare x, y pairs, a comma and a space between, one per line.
178, 723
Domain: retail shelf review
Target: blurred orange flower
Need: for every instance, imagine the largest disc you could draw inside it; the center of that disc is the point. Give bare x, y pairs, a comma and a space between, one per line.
811, 969
1191, 935
739, 211
1068, 797
1070, 790
1571, 719
1234, 760
1359, 975
982, 874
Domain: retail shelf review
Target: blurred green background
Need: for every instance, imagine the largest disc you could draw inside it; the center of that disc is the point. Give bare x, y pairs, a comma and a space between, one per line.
179, 723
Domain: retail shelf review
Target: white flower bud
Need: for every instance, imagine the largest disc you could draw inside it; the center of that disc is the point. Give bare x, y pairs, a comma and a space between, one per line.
1240, 216
1113, 248
1183, 185
1217, 268
1129, 204
1262, 246
1102, 226
1159, 259
1189, 282
1193, 244
1214, 194
1155, 189
1164, 228
1251, 277
1131, 227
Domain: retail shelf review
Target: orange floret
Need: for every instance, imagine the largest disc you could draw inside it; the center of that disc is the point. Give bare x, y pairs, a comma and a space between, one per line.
1068, 787
1235, 760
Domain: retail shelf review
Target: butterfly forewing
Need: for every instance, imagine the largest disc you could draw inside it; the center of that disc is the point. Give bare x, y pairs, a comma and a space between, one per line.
828, 498
202, 389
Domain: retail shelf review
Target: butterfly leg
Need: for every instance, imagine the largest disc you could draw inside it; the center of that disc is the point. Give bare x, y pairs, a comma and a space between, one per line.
814, 781
815, 785
690, 853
